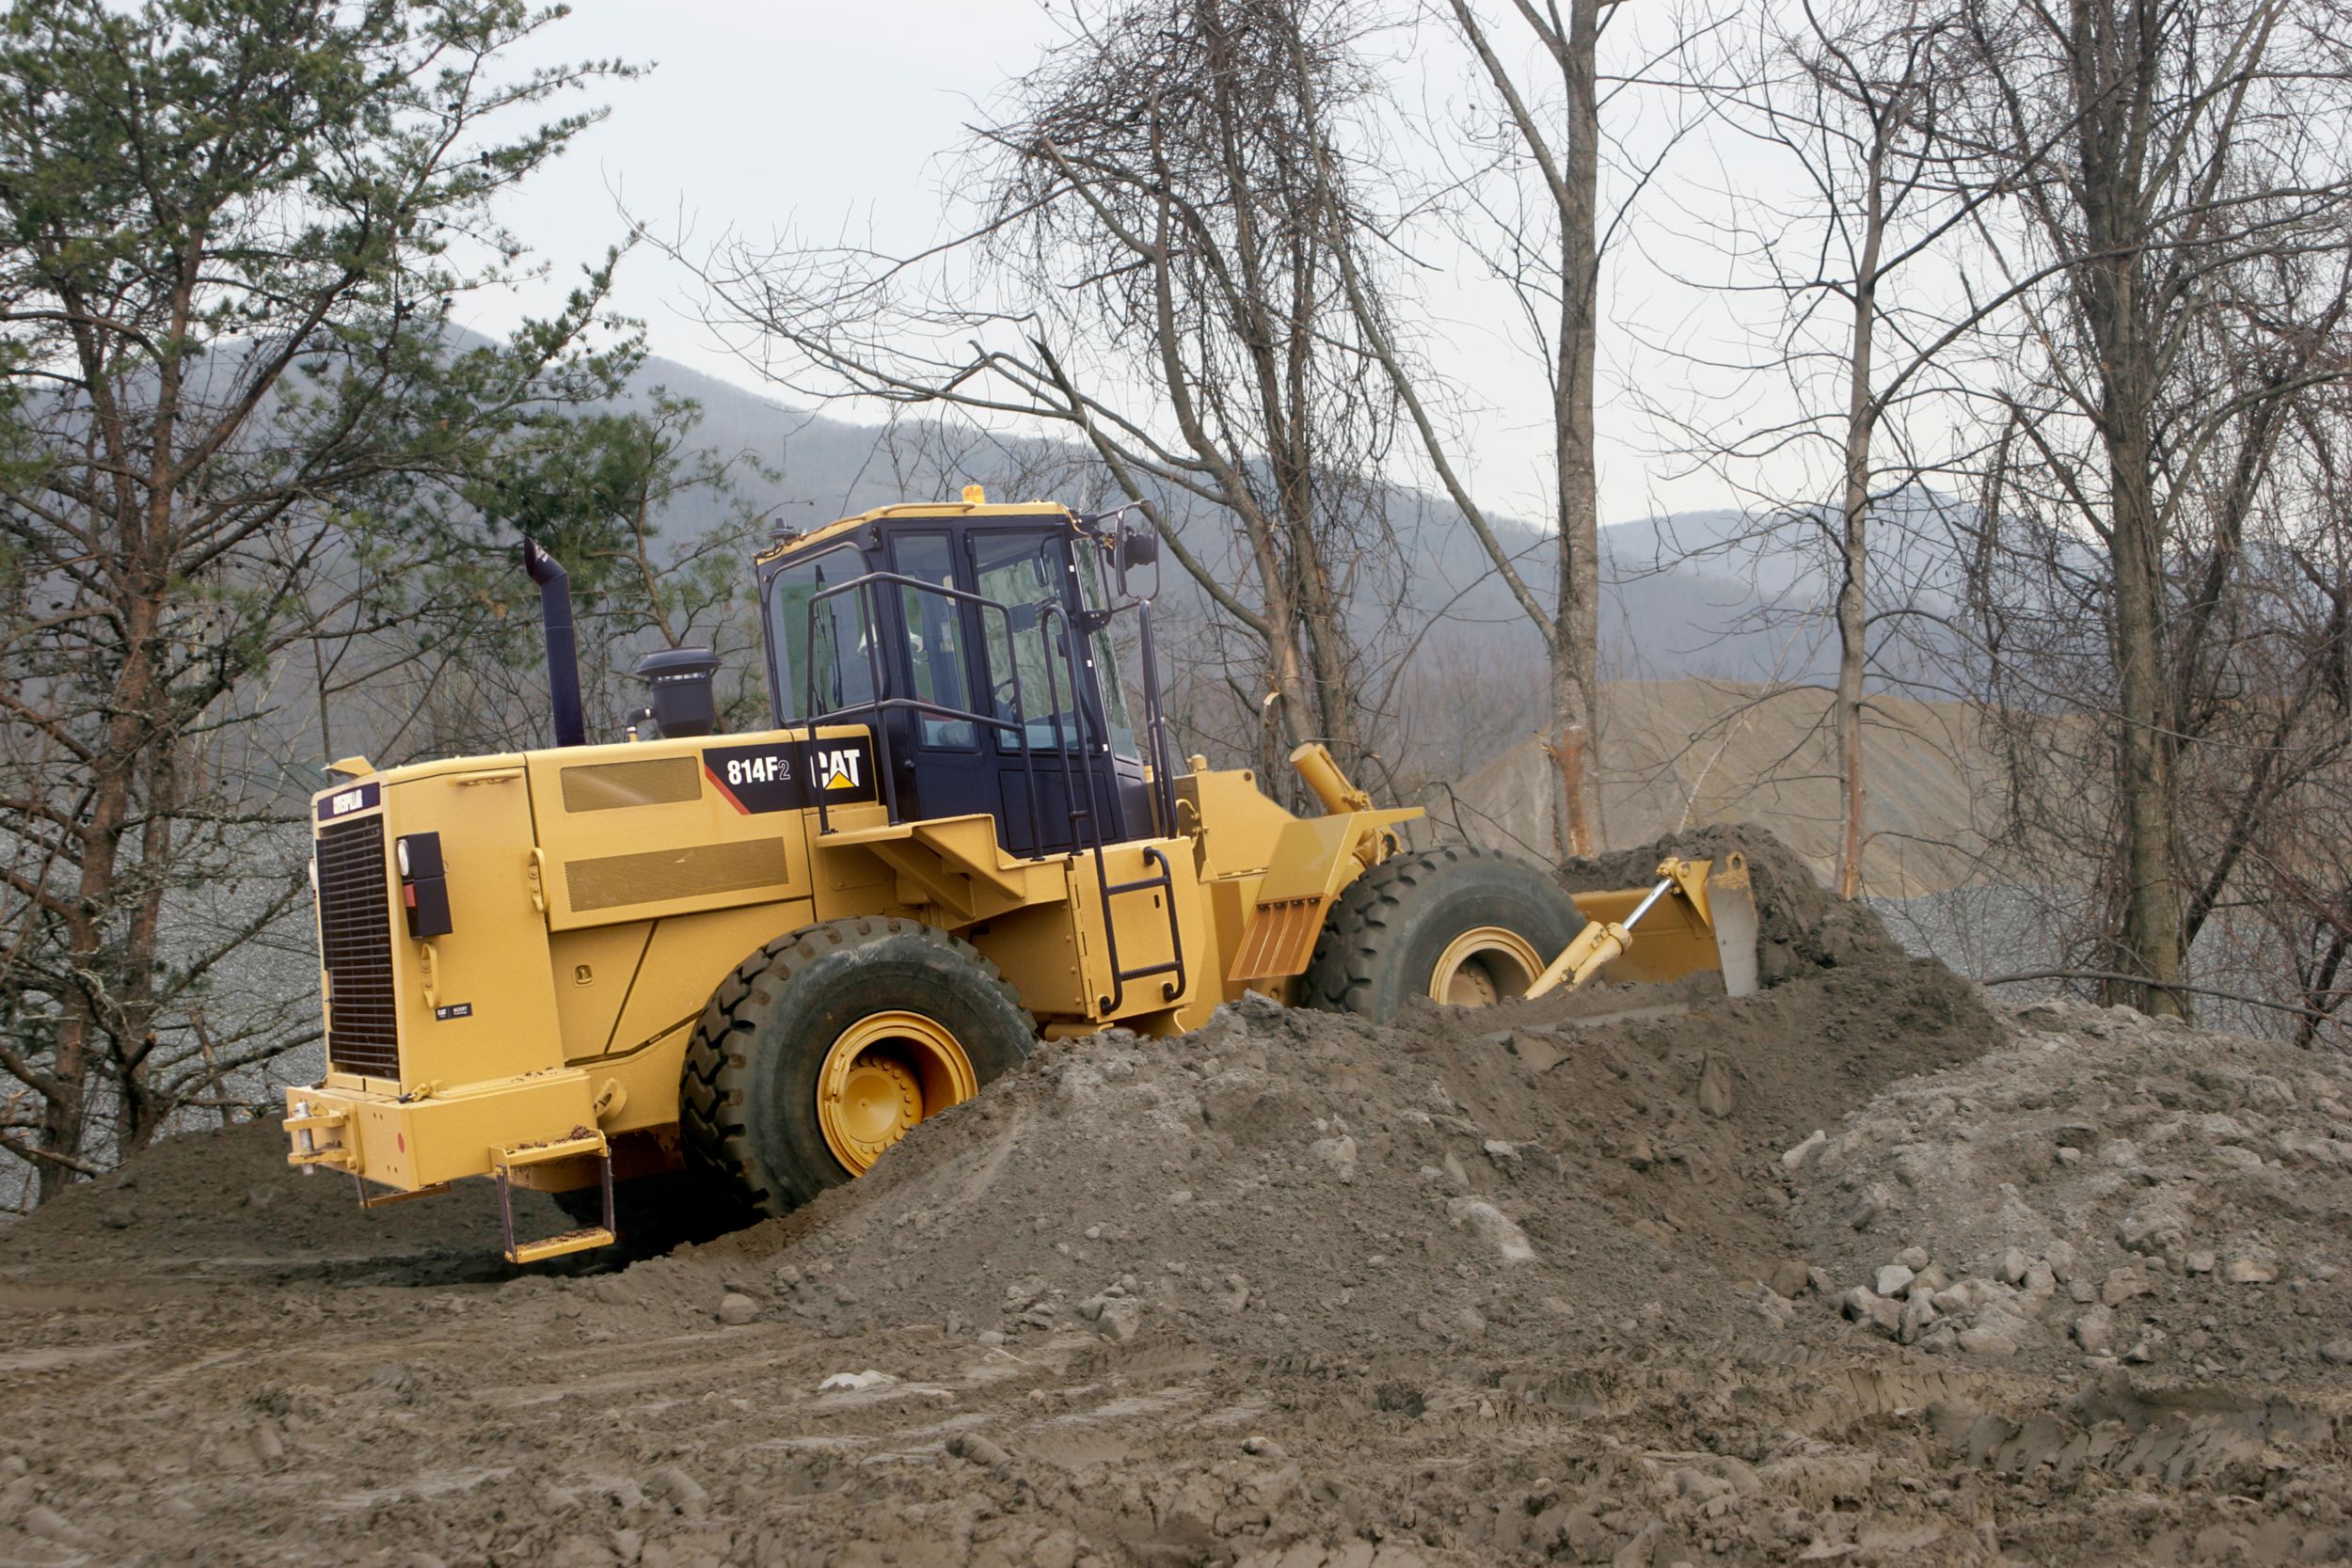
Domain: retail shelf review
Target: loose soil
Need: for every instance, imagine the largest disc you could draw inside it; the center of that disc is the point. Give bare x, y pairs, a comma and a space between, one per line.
1537, 1283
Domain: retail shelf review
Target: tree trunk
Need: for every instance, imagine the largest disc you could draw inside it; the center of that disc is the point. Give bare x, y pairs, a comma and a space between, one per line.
1853, 538
1576, 647
2151, 937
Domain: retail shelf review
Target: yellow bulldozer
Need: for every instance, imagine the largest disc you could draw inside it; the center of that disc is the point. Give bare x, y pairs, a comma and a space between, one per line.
720, 973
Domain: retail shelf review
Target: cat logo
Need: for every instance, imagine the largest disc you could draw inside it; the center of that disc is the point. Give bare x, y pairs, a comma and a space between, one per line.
837, 770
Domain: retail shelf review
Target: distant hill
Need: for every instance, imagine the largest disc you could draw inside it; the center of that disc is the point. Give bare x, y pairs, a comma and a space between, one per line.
1705, 594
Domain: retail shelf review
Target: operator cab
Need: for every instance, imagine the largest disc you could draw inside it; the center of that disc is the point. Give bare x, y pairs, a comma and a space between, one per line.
974, 642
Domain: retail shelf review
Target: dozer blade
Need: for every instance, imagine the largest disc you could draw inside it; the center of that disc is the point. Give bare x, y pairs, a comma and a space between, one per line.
1706, 920
1731, 910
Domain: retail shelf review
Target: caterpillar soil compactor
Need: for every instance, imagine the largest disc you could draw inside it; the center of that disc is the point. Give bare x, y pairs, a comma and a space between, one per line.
694, 975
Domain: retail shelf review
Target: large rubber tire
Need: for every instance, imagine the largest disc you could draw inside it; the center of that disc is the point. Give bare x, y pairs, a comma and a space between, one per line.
747, 1099
1384, 938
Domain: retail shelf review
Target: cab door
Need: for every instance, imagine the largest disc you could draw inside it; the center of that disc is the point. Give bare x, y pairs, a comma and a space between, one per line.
944, 766
1051, 742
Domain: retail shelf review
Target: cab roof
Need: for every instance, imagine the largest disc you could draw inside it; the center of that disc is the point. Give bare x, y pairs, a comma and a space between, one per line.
971, 507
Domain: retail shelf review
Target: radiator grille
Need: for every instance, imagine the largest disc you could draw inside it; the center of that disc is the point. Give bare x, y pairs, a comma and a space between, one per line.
356, 942
665, 874
610, 785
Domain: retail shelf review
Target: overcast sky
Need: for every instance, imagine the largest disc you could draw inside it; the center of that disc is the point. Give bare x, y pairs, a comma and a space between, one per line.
824, 116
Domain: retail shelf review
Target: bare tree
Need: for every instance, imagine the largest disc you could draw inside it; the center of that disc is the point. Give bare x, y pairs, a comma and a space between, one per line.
2188, 231
1550, 130
1152, 217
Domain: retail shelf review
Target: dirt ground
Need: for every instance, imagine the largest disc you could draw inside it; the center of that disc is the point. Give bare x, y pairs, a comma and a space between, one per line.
1565, 1281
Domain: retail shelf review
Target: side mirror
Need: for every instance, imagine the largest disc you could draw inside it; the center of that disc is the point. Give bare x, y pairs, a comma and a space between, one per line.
1137, 548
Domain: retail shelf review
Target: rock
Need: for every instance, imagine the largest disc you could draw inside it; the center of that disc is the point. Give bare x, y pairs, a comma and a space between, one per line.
1866, 1209
1968, 1295
1916, 1318
1912, 1258
1797, 1156
985, 1452
1819, 1278
2337, 1353
1259, 1007
2254, 1266
2197, 1262
2061, 1260
1863, 1304
1265, 1447
855, 1382
1789, 1278
2094, 1331
1932, 1278
2069, 1155
1993, 1340
1501, 1153
2122, 1153
683, 1491
735, 1310
2012, 1266
1119, 1319
1483, 1219
1539, 1050
1892, 1280
2155, 1225
2040, 1280
2151, 1340
2122, 1285
1339, 1154
1715, 1097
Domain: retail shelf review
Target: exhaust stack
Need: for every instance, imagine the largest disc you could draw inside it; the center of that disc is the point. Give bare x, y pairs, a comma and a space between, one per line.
555, 615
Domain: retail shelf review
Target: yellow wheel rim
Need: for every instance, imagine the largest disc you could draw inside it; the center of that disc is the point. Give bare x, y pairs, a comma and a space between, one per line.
885, 1073
1483, 966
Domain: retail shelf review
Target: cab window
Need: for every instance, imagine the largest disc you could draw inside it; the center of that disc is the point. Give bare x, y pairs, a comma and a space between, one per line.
1106, 657
1021, 571
934, 627
827, 657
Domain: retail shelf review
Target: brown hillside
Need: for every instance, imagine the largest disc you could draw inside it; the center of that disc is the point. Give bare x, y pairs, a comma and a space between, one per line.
1685, 754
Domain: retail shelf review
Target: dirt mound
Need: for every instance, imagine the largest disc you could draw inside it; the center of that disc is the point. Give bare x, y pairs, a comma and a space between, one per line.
2111, 1186
225, 1203
1599, 1167
1290, 1293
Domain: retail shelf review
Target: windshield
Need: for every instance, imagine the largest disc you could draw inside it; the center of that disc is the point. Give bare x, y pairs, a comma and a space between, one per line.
838, 659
